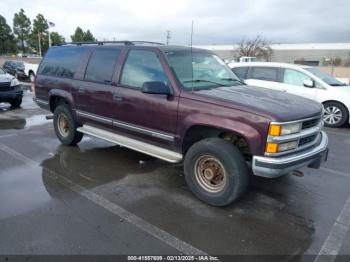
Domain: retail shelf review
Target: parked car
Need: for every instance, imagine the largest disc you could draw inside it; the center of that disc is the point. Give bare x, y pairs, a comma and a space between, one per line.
15, 68
10, 89
30, 70
180, 104
301, 80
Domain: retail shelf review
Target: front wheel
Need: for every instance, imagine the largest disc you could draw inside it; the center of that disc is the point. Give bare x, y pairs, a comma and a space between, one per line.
216, 171
16, 102
65, 126
335, 114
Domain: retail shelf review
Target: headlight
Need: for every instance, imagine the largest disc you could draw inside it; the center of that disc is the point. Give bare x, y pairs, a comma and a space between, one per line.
280, 130
276, 148
14, 82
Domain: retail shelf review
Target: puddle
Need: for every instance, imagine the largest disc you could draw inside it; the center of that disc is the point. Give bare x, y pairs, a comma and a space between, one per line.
22, 123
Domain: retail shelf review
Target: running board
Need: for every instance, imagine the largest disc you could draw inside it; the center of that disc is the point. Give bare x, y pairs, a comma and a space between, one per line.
136, 145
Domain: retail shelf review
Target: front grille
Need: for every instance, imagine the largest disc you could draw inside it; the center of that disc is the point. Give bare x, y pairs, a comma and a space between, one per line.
310, 123
5, 86
306, 140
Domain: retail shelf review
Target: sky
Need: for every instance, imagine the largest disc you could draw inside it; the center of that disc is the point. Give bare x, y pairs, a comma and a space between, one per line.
215, 21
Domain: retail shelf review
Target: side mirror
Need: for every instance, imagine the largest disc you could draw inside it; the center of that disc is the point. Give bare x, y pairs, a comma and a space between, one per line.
156, 87
309, 83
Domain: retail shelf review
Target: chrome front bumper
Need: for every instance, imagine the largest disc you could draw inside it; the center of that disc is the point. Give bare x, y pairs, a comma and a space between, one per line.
277, 166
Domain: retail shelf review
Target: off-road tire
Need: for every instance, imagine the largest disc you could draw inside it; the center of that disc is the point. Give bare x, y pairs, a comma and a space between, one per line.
72, 136
223, 154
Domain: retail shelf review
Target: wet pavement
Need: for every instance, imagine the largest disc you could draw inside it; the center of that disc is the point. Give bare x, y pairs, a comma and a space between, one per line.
99, 198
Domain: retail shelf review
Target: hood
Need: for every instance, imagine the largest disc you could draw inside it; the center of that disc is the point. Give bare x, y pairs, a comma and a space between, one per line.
279, 106
6, 78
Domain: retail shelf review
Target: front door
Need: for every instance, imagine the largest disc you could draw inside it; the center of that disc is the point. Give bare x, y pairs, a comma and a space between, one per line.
149, 116
293, 82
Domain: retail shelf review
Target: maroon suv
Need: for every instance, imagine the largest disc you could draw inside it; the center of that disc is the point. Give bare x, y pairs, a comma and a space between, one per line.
180, 104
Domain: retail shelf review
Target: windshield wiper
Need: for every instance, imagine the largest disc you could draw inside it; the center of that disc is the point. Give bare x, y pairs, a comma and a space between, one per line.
233, 80
203, 80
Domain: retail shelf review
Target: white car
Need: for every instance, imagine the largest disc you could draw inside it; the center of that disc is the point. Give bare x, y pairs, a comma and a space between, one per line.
300, 80
30, 70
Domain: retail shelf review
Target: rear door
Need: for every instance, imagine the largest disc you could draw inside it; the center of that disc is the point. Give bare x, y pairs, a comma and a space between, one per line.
241, 72
94, 94
267, 77
149, 116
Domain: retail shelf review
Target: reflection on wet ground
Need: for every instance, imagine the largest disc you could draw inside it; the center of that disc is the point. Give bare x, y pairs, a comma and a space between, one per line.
156, 191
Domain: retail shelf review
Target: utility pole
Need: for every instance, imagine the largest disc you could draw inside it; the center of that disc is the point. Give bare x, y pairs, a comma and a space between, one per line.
168, 36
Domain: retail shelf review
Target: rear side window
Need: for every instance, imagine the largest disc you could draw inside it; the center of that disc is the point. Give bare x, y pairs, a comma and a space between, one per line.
264, 73
142, 66
61, 62
241, 72
101, 65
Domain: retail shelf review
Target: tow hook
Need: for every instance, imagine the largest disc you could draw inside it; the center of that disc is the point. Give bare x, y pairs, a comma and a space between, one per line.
297, 173
49, 117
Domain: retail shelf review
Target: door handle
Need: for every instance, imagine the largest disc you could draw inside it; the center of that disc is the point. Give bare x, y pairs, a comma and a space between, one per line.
81, 90
117, 98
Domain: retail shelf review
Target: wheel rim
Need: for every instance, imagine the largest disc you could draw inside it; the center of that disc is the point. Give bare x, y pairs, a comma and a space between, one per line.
332, 115
210, 173
63, 125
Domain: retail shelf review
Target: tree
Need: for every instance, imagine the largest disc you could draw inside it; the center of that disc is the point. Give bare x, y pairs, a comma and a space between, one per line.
78, 35
7, 43
257, 47
40, 25
21, 27
88, 36
56, 38
81, 36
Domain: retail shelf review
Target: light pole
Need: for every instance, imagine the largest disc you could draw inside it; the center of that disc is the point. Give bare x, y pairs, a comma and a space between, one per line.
51, 24
39, 41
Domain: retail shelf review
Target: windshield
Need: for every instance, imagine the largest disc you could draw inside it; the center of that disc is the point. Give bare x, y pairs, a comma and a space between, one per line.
201, 70
325, 77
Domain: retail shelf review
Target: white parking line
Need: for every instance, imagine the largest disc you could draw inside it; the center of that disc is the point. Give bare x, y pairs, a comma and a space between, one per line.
335, 239
156, 232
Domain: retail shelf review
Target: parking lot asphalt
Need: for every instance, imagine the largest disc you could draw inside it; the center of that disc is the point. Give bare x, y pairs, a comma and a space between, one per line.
100, 198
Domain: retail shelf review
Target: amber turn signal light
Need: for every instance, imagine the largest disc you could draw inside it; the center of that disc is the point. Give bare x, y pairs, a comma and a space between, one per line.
275, 130
271, 148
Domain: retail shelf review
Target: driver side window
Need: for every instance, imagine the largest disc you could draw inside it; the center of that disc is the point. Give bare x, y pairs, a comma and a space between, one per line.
142, 66
293, 77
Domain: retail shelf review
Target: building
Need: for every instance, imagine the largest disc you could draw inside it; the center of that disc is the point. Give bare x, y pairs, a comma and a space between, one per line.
317, 54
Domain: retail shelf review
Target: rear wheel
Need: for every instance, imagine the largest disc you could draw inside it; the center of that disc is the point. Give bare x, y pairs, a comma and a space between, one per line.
216, 171
335, 114
65, 126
